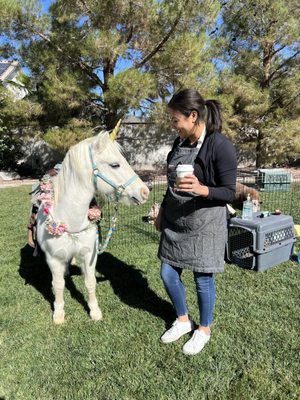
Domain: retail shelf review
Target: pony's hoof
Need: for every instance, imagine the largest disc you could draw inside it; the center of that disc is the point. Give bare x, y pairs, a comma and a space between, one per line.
58, 318
96, 315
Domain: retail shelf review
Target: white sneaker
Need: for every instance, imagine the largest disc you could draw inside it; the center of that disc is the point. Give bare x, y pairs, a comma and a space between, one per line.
177, 330
196, 343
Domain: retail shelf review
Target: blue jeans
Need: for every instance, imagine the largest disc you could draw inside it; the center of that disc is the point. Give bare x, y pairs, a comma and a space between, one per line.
205, 286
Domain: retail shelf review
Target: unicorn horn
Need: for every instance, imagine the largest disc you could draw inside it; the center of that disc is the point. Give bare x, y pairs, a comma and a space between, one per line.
114, 133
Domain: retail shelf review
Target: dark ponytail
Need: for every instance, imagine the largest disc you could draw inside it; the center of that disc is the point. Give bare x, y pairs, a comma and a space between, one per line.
209, 111
214, 118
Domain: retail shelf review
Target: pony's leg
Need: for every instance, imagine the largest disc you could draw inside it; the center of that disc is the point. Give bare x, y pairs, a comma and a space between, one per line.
88, 269
57, 268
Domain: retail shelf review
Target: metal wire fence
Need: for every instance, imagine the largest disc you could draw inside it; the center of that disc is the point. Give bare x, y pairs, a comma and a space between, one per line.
277, 191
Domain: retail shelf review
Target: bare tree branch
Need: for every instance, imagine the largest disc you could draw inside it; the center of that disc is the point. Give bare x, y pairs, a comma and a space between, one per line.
283, 64
87, 10
129, 37
291, 101
272, 105
150, 100
160, 44
278, 50
79, 63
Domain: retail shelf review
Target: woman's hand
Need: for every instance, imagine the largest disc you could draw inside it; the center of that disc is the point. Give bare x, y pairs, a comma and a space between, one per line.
158, 219
191, 184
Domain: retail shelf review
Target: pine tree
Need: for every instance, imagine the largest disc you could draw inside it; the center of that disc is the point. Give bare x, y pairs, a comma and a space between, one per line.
96, 60
17, 119
261, 80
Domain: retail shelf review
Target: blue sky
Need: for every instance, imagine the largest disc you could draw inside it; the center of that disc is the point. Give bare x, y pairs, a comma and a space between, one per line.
45, 4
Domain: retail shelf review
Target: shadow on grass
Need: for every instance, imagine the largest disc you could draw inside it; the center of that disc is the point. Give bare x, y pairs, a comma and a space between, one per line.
128, 283
35, 272
132, 288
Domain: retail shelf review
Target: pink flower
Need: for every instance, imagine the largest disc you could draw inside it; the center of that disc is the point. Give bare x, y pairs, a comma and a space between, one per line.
57, 228
94, 213
46, 187
45, 197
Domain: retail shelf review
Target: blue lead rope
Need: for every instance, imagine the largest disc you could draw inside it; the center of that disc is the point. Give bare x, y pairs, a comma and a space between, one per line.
101, 247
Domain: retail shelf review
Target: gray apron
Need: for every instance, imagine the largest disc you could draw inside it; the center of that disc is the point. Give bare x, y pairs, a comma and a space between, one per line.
193, 229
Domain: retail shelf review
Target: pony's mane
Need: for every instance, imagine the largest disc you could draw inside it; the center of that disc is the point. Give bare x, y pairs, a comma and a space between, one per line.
76, 159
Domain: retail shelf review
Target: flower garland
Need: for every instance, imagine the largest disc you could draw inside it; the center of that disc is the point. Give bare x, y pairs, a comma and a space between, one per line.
46, 198
46, 194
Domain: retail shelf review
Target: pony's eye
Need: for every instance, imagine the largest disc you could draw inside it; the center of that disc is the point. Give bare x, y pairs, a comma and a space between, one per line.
114, 165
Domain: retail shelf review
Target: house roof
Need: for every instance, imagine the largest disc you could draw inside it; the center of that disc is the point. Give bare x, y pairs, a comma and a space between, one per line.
8, 69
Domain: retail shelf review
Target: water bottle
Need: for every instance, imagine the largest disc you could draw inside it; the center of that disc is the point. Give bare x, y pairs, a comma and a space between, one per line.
247, 208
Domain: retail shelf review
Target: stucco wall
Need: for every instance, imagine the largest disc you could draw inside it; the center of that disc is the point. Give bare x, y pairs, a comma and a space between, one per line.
145, 146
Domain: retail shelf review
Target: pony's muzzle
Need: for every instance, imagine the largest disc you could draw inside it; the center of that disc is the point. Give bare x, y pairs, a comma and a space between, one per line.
143, 196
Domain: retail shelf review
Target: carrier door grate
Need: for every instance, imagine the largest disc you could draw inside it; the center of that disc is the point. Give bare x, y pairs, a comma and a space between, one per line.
240, 247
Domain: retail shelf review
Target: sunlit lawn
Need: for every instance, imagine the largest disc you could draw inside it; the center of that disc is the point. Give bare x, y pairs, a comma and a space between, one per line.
253, 353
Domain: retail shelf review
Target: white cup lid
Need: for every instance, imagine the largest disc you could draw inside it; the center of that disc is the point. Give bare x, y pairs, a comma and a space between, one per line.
185, 168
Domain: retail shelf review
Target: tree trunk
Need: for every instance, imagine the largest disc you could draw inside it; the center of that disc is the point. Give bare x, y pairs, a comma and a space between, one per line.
110, 115
267, 64
265, 84
259, 150
110, 119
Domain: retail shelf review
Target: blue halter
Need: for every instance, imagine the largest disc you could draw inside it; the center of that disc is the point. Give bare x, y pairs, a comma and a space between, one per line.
97, 174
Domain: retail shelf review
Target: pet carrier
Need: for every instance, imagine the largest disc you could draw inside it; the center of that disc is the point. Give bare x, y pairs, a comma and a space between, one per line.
273, 180
262, 242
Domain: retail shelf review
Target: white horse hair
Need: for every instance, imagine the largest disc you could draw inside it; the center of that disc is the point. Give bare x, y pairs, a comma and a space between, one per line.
74, 187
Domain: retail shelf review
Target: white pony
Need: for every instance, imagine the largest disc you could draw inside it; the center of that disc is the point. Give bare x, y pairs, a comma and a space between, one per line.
95, 164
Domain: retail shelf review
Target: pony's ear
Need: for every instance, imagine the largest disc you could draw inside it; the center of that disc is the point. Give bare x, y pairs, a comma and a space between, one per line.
101, 141
114, 133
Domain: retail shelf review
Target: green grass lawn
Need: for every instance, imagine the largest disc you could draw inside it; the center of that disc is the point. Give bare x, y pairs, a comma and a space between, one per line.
253, 353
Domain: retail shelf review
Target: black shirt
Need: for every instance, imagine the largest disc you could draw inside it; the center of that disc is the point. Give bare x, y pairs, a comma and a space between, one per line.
215, 166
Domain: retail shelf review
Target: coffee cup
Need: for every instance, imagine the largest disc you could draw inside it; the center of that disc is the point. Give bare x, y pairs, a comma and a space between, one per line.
183, 170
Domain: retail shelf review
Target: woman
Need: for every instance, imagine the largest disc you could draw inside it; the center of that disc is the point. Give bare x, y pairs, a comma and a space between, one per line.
192, 216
